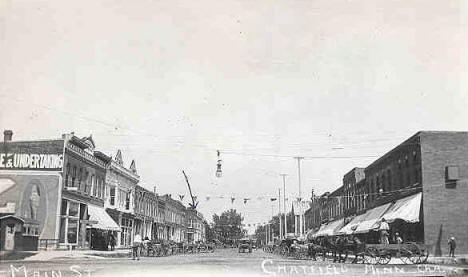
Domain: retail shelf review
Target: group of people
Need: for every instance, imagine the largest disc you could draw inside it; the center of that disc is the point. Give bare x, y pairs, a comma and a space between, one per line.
384, 229
138, 246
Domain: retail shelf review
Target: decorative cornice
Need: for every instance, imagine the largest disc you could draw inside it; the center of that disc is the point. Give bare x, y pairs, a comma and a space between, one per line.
124, 171
85, 155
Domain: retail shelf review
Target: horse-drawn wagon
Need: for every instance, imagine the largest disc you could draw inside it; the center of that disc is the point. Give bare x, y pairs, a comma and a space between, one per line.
408, 253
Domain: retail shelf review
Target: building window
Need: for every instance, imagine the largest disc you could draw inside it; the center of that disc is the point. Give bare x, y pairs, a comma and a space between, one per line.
85, 181
112, 196
67, 175
69, 222
93, 185
127, 201
73, 177
80, 175
451, 176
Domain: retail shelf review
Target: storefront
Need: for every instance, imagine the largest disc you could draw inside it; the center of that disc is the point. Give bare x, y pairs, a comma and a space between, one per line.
403, 216
101, 227
74, 220
126, 234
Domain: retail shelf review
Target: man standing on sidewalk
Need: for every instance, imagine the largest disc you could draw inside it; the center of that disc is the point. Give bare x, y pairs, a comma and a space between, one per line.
452, 246
384, 231
136, 247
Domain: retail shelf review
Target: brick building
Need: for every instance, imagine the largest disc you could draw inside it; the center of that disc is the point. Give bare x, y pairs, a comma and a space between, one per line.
174, 219
120, 198
145, 212
420, 186
195, 226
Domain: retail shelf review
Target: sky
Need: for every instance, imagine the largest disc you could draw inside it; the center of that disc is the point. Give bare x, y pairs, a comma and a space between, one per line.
170, 82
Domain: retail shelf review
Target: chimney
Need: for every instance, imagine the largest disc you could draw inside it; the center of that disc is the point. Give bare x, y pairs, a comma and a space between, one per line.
7, 135
154, 190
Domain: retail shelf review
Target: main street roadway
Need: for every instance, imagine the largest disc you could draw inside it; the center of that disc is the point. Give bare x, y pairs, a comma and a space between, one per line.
223, 262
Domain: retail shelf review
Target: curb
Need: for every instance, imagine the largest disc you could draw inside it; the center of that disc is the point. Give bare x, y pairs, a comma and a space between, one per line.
447, 261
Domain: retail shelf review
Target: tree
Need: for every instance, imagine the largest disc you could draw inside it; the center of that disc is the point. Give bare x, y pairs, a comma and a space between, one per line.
228, 226
274, 224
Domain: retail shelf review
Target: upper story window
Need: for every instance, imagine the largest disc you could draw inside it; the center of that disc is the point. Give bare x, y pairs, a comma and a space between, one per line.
112, 196
80, 177
67, 175
73, 177
451, 176
93, 185
127, 201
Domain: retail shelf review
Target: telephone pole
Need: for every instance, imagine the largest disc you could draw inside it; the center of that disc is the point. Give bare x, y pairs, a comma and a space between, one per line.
279, 214
284, 205
299, 225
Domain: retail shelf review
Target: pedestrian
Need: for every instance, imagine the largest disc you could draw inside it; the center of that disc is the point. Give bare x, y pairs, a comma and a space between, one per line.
398, 238
146, 243
452, 246
384, 230
136, 247
112, 242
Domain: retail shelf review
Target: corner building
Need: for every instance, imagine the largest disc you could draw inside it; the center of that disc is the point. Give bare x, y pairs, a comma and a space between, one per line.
420, 187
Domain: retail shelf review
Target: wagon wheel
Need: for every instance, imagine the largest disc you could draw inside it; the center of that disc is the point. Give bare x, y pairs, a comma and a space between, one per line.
423, 255
384, 257
371, 256
415, 256
405, 255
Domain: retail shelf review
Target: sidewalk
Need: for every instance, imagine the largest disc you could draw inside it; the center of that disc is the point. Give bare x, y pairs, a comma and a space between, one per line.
62, 255
458, 259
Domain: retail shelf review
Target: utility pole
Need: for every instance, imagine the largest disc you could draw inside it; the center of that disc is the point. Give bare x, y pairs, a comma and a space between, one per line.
271, 225
299, 225
284, 205
279, 214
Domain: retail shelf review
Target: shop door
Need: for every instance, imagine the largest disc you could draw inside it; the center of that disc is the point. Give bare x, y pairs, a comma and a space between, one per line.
10, 237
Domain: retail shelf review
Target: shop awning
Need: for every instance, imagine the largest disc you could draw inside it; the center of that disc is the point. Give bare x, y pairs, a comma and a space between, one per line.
371, 218
406, 209
103, 219
352, 225
330, 228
